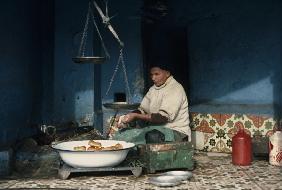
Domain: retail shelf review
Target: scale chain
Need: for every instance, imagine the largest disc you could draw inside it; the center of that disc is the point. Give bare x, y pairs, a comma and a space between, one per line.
100, 36
82, 47
113, 76
120, 60
125, 75
81, 50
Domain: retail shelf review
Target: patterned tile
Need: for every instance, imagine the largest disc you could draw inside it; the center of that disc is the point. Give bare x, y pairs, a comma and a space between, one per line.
219, 129
204, 126
221, 118
221, 146
209, 141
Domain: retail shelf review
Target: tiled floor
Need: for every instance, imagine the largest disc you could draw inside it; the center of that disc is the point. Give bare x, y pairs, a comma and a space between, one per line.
211, 172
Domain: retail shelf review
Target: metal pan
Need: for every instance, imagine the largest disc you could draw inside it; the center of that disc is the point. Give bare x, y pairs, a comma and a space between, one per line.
165, 181
96, 60
121, 106
184, 175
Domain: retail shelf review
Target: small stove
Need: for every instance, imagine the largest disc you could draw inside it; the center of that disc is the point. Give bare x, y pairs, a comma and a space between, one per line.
65, 170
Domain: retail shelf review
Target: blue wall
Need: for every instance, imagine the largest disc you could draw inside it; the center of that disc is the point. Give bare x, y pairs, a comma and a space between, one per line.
234, 59
21, 67
234, 54
73, 83
236, 50
39, 82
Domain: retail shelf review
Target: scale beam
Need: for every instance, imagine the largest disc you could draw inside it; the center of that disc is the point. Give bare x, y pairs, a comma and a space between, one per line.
106, 20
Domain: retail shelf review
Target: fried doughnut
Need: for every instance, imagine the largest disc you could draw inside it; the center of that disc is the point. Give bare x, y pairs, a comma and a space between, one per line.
93, 143
114, 147
118, 146
109, 148
79, 148
91, 148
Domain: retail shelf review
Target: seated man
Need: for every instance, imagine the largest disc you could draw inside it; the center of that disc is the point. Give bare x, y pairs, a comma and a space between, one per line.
164, 110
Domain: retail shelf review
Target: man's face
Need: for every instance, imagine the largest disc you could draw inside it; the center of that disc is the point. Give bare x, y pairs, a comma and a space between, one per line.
159, 76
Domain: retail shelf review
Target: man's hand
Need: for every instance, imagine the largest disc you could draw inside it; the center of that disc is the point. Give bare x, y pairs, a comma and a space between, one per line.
119, 123
117, 118
135, 116
128, 117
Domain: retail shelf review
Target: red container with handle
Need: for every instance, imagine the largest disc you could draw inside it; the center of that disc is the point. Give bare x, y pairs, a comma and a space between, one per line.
242, 149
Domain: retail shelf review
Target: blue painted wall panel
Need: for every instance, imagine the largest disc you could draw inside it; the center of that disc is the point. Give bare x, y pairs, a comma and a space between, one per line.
73, 83
234, 59
234, 53
19, 69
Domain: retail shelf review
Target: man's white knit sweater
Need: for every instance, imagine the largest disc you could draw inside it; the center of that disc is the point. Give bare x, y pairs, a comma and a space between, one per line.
170, 101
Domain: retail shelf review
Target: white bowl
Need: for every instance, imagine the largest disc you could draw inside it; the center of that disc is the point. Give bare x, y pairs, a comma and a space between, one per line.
86, 159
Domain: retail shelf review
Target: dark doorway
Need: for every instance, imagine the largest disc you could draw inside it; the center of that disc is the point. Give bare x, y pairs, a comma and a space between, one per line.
166, 45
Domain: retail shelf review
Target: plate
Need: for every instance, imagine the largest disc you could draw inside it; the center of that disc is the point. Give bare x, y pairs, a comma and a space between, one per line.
118, 103
165, 181
97, 60
184, 175
121, 105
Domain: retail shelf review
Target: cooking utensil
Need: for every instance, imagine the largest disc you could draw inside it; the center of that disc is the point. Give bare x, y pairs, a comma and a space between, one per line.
97, 158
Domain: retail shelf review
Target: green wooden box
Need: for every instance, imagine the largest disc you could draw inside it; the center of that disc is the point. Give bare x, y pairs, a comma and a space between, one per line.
173, 155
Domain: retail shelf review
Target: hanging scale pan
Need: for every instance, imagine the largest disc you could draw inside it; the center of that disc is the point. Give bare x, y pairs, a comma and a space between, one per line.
81, 58
121, 106
89, 59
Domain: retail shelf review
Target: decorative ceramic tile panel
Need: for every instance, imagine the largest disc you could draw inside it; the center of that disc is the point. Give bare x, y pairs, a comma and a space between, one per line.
218, 129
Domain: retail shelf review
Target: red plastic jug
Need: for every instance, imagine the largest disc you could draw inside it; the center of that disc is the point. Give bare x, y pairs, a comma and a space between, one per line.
242, 149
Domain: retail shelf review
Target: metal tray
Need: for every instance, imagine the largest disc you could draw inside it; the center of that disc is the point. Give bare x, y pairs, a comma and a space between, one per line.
81, 60
121, 105
165, 181
184, 175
